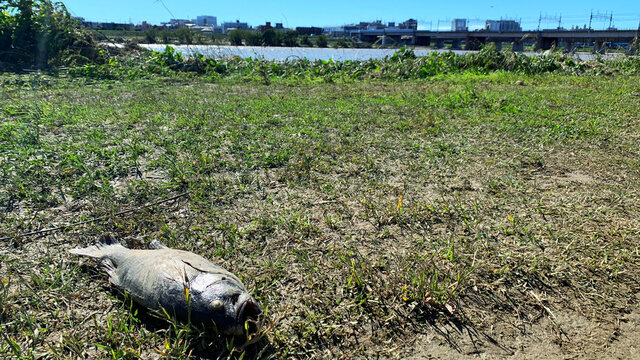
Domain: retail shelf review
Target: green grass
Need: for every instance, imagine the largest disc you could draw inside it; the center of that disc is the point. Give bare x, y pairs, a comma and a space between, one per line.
359, 213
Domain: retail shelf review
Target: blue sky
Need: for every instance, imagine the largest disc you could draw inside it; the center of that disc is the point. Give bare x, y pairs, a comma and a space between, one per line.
430, 14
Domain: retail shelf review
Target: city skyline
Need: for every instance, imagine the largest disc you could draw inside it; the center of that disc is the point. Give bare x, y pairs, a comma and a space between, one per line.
430, 16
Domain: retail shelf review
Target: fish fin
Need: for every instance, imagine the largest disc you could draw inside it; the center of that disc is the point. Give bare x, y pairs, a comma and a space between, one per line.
157, 245
106, 245
108, 266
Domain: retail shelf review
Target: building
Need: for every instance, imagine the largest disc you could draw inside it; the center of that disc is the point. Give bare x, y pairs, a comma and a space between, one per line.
502, 26
180, 23
309, 30
411, 24
459, 25
206, 20
228, 26
204, 29
264, 27
376, 25
106, 25
334, 31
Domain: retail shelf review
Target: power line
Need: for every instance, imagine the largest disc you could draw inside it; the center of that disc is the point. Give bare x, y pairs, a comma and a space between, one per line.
166, 8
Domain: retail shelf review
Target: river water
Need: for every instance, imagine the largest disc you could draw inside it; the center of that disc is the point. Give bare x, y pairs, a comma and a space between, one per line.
286, 53
294, 53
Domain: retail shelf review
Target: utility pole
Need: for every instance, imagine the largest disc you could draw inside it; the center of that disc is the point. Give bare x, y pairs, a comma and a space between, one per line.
590, 18
539, 20
560, 22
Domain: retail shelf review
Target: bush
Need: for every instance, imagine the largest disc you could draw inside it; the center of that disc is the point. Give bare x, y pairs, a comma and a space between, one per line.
290, 38
39, 33
321, 41
235, 37
253, 38
270, 38
185, 36
305, 41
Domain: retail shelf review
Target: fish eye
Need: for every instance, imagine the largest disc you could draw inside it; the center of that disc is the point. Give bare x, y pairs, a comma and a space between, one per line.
217, 305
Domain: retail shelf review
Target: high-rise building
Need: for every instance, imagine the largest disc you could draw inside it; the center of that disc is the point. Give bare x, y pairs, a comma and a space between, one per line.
228, 26
206, 20
503, 26
459, 25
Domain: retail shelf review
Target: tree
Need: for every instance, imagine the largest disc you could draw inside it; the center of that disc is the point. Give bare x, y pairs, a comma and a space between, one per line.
165, 35
305, 41
235, 37
253, 38
40, 33
270, 38
321, 41
150, 35
185, 36
290, 38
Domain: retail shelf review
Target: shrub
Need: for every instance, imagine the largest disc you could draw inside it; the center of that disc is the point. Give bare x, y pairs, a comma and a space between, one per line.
150, 35
321, 41
270, 37
40, 33
305, 41
253, 38
290, 38
235, 37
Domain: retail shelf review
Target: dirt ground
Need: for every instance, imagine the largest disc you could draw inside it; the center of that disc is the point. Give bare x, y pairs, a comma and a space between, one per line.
560, 335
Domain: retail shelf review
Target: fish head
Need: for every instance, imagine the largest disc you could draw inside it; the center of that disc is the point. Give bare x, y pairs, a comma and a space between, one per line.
226, 302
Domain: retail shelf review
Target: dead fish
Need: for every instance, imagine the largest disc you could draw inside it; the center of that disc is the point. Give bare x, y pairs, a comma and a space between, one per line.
180, 282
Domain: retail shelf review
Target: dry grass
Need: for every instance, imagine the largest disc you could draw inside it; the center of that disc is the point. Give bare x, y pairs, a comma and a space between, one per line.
364, 216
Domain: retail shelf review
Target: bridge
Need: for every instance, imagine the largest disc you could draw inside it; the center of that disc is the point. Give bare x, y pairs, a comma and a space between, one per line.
568, 40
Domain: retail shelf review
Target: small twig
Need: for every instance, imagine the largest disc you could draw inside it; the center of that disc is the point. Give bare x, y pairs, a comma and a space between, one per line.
325, 202
552, 316
542, 304
99, 218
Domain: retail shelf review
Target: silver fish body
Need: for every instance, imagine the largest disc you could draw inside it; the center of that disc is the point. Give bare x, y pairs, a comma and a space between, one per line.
182, 283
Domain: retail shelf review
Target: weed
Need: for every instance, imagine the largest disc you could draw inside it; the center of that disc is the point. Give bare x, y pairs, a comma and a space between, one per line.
358, 212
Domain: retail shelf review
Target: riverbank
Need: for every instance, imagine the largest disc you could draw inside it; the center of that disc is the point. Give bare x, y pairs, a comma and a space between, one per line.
457, 215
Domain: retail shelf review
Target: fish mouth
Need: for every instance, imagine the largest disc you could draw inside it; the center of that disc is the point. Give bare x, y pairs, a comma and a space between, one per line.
248, 309
248, 314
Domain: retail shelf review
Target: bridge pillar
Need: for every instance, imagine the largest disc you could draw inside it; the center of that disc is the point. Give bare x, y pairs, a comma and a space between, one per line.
456, 45
569, 46
473, 43
421, 40
634, 46
599, 47
518, 46
545, 44
498, 45
439, 44
539, 44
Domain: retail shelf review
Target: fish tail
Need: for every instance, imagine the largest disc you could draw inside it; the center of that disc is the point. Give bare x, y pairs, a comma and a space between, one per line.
107, 247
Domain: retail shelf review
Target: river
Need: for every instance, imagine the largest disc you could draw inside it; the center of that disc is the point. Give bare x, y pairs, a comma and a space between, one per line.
294, 53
